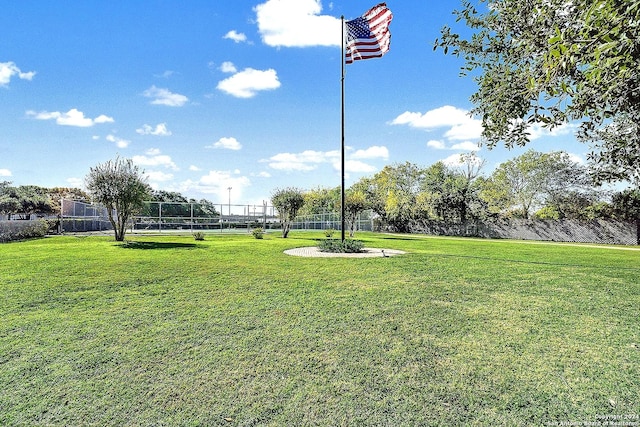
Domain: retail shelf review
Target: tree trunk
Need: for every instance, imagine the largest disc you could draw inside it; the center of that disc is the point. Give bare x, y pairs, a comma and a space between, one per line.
352, 227
118, 236
637, 231
286, 227
122, 228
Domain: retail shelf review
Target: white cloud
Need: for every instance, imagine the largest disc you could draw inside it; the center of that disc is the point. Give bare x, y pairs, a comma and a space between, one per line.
120, 143
247, 83
292, 166
72, 117
154, 158
262, 174
471, 129
159, 130
10, 69
407, 118
158, 176
576, 158
538, 131
194, 168
466, 146
103, 119
440, 117
375, 152
310, 160
228, 67
227, 144
296, 23
452, 161
75, 182
461, 160
165, 97
165, 75
355, 166
235, 36
5, 172
218, 182
462, 127
305, 162
438, 145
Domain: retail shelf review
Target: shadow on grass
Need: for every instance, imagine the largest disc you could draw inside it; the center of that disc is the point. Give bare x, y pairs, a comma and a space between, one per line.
157, 245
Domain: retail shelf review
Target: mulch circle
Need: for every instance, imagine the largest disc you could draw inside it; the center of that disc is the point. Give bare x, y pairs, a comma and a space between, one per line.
314, 252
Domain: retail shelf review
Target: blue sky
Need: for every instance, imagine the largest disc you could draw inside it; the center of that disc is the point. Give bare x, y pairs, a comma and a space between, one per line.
207, 94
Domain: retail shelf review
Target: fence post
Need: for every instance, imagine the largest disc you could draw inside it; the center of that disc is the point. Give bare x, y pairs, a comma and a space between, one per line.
61, 228
264, 210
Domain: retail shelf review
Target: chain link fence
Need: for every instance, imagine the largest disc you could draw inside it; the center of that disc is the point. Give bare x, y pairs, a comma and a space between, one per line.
332, 221
80, 217
166, 216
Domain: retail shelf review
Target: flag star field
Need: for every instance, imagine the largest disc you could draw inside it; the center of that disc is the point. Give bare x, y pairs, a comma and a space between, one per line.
210, 95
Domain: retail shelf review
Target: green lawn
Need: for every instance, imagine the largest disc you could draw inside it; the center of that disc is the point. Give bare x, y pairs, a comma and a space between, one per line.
167, 331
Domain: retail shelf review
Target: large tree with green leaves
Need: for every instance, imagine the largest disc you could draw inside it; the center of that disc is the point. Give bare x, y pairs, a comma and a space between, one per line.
393, 193
451, 192
321, 200
525, 183
122, 188
550, 62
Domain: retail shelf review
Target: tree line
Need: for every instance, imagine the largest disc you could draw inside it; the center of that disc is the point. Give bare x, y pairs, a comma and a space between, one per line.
533, 185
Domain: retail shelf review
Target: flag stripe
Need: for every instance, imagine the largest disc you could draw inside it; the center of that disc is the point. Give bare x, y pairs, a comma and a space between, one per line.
369, 35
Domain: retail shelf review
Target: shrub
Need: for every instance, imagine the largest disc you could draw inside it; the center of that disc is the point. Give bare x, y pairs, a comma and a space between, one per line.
258, 233
548, 212
349, 246
198, 235
21, 230
328, 233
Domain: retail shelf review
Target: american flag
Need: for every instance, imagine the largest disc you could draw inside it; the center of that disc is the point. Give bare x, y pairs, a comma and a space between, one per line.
368, 36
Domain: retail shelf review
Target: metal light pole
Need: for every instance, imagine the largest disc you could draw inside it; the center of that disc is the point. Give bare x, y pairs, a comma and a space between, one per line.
229, 188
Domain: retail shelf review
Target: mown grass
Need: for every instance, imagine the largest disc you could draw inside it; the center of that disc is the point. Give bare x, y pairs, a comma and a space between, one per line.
231, 331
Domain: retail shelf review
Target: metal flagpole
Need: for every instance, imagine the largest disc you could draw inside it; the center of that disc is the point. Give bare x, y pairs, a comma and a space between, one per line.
342, 196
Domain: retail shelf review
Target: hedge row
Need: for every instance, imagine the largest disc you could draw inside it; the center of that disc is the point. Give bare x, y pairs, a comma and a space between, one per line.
21, 230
